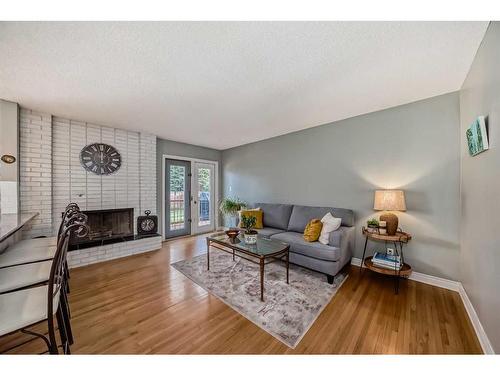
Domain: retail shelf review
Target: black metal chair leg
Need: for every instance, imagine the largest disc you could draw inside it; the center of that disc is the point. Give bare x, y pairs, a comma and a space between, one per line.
62, 331
67, 317
52, 336
66, 272
36, 334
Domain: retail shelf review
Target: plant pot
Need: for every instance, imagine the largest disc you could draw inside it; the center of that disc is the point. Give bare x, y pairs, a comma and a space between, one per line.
250, 237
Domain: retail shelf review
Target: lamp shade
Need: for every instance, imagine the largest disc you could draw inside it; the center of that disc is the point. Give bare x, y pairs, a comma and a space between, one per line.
389, 200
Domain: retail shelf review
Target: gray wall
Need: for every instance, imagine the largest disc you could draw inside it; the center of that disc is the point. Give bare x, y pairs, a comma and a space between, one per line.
480, 255
414, 147
166, 147
9, 145
9, 139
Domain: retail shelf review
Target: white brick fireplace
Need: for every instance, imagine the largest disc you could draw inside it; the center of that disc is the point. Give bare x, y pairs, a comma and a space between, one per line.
51, 176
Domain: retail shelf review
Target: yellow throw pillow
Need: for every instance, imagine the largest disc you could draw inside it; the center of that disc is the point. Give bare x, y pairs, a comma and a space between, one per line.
257, 214
313, 230
246, 210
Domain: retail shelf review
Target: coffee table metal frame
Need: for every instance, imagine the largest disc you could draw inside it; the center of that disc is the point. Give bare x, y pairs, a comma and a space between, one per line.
263, 259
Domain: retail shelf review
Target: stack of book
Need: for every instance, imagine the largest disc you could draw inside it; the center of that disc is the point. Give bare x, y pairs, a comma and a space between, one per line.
383, 260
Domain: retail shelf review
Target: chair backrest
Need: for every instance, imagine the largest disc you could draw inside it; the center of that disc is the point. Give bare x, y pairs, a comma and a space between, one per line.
71, 209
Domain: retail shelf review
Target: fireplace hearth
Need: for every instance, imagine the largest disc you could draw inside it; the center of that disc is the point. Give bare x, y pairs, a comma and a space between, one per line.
106, 226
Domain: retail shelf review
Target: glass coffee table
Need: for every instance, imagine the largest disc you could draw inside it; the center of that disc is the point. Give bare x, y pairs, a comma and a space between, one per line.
265, 251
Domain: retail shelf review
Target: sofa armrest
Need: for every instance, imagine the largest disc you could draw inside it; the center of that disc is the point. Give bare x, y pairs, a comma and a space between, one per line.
343, 238
337, 236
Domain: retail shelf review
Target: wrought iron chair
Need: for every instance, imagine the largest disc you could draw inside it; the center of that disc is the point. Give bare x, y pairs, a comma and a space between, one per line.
18, 276
34, 274
37, 249
24, 308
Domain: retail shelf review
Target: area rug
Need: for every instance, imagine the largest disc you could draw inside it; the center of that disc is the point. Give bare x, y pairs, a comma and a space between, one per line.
288, 310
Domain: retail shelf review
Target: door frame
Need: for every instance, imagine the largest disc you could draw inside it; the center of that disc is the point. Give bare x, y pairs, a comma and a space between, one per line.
195, 209
186, 228
215, 163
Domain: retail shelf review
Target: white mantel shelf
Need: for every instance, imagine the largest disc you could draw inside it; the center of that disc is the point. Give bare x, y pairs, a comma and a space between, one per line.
11, 223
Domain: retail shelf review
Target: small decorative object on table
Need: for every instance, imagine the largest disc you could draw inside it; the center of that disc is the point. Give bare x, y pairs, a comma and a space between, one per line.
382, 227
232, 234
147, 224
373, 225
248, 223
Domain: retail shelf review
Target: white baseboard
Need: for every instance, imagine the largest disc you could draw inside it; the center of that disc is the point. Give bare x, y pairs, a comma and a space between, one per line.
424, 278
436, 281
476, 323
456, 286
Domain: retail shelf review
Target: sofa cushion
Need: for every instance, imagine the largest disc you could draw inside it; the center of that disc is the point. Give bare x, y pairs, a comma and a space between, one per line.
268, 231
311, 249
301, 215
276, 215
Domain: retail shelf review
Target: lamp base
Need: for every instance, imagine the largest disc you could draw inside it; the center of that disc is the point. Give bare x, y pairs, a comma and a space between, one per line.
392, 223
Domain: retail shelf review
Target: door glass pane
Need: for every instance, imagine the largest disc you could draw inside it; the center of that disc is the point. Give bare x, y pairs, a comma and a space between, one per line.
177, 196
204, 187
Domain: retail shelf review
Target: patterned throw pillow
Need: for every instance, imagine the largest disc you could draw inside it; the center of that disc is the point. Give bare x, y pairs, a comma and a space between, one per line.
257, 213
313, 230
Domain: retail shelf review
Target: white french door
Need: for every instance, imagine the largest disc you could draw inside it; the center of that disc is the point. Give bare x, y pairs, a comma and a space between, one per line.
190, 190
203, 197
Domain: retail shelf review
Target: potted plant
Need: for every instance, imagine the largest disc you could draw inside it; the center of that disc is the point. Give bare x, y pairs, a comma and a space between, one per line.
229, 208
372, 225
248, 223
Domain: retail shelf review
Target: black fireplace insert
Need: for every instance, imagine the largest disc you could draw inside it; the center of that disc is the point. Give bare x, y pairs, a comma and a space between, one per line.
106, 226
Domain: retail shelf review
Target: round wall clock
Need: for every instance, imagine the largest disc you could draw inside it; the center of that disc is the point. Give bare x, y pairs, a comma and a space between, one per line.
100, 158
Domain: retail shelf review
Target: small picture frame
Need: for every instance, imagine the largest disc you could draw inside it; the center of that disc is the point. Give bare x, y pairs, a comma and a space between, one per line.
477, 136
382, 227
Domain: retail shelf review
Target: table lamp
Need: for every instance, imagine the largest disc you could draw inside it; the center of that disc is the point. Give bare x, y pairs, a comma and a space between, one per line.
389, 200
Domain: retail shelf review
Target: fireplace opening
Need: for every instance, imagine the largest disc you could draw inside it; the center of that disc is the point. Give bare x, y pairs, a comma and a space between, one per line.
106, 226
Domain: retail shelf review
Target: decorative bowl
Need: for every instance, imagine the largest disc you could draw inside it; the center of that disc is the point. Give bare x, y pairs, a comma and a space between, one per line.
232, 233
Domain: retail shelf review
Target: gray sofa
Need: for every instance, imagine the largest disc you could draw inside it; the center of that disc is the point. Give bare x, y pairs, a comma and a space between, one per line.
286, 223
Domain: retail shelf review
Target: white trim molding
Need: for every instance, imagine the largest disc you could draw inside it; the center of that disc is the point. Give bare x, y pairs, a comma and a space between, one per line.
455, 286
476, 323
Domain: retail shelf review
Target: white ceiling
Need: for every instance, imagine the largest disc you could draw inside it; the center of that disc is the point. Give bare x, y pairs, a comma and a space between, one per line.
220, 84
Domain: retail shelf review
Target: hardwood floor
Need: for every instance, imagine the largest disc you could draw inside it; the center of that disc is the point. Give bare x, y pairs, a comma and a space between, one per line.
140, 304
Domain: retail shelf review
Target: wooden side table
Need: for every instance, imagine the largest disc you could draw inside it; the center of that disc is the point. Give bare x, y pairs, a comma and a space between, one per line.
400, 238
